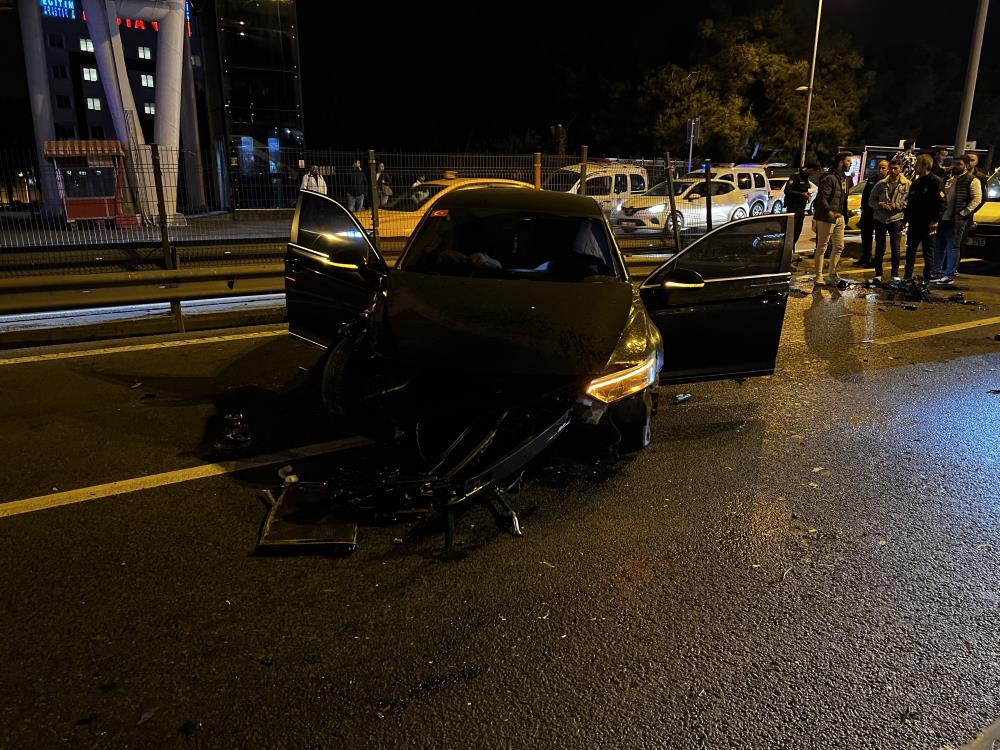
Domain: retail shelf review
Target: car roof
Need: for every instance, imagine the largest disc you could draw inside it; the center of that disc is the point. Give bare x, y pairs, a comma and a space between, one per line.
462, 181
546, 201
596, 168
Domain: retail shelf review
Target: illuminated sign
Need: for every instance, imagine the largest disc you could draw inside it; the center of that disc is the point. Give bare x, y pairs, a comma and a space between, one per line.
58, 8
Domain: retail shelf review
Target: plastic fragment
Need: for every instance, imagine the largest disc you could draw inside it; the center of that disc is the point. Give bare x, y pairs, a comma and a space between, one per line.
680, 398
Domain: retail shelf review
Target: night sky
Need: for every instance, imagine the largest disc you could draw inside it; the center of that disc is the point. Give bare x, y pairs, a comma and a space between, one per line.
449, 75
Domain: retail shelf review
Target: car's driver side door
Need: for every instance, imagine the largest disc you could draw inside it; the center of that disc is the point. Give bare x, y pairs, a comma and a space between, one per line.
720, 303
332, 270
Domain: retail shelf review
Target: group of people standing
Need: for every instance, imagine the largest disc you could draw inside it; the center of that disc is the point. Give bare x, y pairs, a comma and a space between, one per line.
911, 193
352, 189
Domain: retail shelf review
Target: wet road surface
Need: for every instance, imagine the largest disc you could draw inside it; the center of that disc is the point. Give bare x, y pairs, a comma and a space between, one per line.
808, 560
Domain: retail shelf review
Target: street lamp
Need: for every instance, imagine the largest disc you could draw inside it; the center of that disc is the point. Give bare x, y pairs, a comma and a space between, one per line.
809, 88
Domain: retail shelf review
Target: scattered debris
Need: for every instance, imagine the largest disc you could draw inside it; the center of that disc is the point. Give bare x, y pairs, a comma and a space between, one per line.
680, 398
235, 434
547, 564
147, 715
266, 661
994, 391
817, 469
909, 306
785, 574
908, 716
136, 384
189, 728
287, 475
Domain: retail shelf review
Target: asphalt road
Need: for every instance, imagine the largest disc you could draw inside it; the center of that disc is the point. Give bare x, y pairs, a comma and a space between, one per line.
807, 560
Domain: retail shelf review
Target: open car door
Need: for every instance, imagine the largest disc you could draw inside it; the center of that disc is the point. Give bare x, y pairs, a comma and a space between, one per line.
720, 303
332, 270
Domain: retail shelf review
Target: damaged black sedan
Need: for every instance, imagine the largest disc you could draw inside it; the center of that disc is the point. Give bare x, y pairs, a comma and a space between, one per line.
510, 315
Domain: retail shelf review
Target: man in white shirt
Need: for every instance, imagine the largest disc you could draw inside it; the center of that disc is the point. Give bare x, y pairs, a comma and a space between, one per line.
962, 196
313, 181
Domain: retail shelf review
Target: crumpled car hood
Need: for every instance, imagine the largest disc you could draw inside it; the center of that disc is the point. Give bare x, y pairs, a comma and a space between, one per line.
503, 326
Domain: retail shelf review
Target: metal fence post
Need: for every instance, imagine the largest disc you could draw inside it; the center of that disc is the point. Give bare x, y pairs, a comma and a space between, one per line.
538, 170
373, 189
583, 170
674, 218
170, 259
708, 194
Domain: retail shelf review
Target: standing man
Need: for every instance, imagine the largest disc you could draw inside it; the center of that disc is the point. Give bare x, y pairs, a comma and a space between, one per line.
888, 201
797, 192
867, 222
357, 186
907, 159
939, 168
830, 210
382, 185
962, 196
923, 209
313, 181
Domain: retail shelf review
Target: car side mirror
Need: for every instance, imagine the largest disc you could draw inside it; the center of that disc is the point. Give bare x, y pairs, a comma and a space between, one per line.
343, 254
682, 278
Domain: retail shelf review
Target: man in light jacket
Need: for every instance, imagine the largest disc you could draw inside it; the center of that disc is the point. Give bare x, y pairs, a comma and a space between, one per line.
830, 210
888, 204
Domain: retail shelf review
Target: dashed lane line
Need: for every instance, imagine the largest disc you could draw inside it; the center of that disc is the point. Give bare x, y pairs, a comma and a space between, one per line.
936, 331
136, 484
142, 347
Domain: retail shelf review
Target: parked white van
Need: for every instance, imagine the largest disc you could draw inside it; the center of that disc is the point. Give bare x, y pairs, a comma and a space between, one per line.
608, 183
749, 178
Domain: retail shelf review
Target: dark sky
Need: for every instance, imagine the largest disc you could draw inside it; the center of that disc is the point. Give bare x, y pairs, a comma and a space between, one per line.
449, 75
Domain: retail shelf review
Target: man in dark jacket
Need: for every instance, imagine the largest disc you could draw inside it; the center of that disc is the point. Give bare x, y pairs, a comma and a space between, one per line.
830, 210
923, 209
797, 191
962, 196
867, 221
357, 186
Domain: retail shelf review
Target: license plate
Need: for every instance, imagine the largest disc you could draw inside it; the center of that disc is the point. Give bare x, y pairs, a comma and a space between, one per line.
976, 241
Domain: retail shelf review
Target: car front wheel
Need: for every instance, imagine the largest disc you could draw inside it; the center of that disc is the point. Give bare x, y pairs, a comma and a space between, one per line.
757, 209
633, 418
739, 213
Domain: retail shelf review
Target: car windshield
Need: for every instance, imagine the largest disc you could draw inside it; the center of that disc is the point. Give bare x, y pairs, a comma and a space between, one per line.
561, 181
680, 186
510, 244
993, 187
859, 188
412, 199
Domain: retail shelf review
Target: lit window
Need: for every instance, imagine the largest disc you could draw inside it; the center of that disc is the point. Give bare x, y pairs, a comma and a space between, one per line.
145, 53
147, 80
149, 108
93, 102
90, 74
196, 60
86, 45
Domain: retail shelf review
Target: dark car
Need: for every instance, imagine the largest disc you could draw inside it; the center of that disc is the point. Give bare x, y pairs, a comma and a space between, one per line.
518, 303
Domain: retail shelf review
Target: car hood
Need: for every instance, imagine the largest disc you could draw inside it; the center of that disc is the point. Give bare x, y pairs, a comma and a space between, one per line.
501, 326
645, 201
989, 213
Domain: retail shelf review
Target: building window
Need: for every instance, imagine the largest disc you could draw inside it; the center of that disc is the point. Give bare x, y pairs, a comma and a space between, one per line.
59, 71
90, 74
145, 53
149, 108
56, 41
196, 60
86, 45
63, 101
64, 132
93, 103
97, 131
147, 80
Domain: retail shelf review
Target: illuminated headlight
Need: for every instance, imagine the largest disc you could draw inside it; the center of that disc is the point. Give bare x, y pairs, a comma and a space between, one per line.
618, 385
657, 209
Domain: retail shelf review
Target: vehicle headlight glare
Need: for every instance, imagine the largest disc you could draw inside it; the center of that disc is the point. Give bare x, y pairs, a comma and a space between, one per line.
618, 385
657, 209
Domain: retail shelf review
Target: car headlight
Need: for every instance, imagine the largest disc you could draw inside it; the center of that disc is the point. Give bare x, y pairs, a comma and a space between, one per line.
618, 385
657, 209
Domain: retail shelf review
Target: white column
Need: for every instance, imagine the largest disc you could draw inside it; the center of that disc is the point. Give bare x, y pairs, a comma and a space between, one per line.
111, 68
169, 80
40, 98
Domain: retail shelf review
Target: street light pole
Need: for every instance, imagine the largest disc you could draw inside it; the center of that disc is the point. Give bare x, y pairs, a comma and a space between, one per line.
812, 78
962, 135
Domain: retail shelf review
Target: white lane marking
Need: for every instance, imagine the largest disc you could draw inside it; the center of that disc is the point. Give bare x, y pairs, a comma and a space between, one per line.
936, 331
70, 497
142, 347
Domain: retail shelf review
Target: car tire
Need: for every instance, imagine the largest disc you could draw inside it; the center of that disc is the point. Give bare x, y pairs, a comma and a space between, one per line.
757, 209
679, 218
346, 368
778, 207
739, 213
633, 418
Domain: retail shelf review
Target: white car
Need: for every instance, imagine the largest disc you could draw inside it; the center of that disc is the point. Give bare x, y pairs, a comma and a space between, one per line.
750, 179
608, 183
650, 212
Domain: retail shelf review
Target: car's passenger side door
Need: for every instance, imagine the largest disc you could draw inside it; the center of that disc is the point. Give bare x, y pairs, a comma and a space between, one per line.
720, 303
332, 271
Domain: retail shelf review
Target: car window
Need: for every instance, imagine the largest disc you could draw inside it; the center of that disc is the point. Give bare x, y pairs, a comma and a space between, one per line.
562, 181
746, 249
993, 188
638, 183
743, 181
323, 225
778, 183
504, 243
728, 177
758, 180
599, 185
721, 189
412, 199
621, 183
